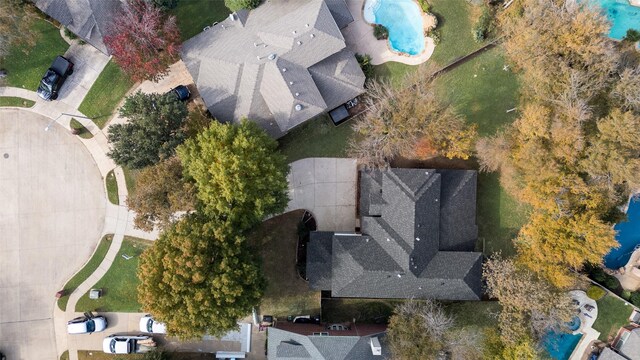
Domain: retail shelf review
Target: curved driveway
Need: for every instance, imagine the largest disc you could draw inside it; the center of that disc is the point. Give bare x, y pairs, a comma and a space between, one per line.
52, 213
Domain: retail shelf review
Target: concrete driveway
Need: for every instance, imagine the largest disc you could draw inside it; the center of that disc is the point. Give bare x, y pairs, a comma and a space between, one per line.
327, 188
88, 64
51, 218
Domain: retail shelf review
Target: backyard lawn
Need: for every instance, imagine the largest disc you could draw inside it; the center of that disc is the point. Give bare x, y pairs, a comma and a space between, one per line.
612, 315
105, 94
194, 15
86, 271
119, 285
317, 137
363, 310
286, 294
25, 68
15, 101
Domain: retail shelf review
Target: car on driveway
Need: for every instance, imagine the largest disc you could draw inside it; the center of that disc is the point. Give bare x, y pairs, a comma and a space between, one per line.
54, 78
181, 92
127, 344
148, 325
86, 324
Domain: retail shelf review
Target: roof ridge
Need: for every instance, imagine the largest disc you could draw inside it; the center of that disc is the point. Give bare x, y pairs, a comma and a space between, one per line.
465, 180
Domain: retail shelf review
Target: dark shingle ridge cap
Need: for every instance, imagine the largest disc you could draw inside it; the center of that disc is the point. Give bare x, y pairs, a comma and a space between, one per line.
395, 175
386, 230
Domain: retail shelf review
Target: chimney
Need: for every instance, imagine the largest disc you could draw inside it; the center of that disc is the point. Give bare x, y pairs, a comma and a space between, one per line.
376, 349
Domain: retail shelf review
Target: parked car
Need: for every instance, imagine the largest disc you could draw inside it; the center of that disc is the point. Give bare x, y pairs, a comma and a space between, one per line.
2, 357
54, 78
127, 344
86, 324
148, 325
181, 92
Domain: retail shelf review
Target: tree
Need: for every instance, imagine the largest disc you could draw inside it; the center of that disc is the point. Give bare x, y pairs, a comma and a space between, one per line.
15, 25
627, 90
197, 283
235, 5
401, 120
153, 130
164, 4
143, 41
161, 192
530, 306
240, 176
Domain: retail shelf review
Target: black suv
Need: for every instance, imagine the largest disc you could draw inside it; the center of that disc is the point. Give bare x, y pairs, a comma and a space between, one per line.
54, 78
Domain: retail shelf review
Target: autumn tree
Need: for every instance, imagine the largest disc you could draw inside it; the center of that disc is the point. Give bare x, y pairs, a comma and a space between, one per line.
627, 89
409, 120
152, 132
424, 330
240, 176
530, 306
143, 40
16, 21
161, 192
197, 283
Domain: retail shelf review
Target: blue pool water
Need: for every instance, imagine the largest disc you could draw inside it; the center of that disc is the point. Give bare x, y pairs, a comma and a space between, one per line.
403, 19
560, 345
628, 235
622, 14
574, 324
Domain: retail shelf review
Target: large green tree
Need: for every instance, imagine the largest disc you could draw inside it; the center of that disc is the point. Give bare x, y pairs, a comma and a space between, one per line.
153, 130
235, 5
196, 282
240, 176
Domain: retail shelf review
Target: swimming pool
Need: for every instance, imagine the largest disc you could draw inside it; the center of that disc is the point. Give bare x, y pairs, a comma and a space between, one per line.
622, 14
628, 235
560, 345
403, 19
574, 324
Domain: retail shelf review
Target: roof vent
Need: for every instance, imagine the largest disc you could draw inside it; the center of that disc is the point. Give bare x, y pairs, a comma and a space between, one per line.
399, 275
306, 25
298, 107
417, 239
284, 69
297, 94
299, 43
258, 57
312, 36
255, 44
388, 239
294, 32
290, 82
272, 56
233, 16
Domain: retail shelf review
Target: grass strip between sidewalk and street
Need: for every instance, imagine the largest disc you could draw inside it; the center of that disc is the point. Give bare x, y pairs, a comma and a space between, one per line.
112, 188
16, 101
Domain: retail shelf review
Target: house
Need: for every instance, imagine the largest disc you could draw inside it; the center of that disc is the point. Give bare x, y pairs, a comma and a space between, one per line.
628, 343
278, 65
608, 354
88, 19
417, 239
316, 342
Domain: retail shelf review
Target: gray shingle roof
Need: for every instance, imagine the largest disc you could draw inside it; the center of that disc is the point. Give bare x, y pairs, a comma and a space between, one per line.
340, 12
279, 65
631, 347
283, 344
608, 354
89, 19
419, 231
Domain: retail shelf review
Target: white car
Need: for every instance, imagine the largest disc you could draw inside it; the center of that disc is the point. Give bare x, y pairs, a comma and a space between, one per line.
127, 344
86, 324
148, 325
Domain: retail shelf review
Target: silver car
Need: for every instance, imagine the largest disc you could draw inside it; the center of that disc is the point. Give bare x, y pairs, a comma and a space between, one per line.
86, 324
127, 344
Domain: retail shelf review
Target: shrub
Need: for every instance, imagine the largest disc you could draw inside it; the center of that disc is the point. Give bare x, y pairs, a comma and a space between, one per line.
635, 298
595, 292
483, 27
164, 4
365, 65
632, 35
380, 32
611, 283
235, 5
70, 34
626, 294
435, 35
424, 5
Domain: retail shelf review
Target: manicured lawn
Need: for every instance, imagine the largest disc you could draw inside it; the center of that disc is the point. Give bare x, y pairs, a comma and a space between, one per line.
130, 177
363, 310
474, 313
87, 270
194, 15
25, 68
99, 355
317, 137
82, 131
112, 188
15, 101
455, 21
612, 315
105, 94
119, 285
482, 91
286, 294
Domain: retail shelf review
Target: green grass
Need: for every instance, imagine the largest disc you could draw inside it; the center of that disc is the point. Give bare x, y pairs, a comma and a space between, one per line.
82, 131
482, 91
105, 94
25, 68
130, 177
99, 355
16, 101
474, 313
286, 293
112, 188
363, 310
612, 315
194, 15
317, 137
86, 271
455, 21
119, 285
65, 355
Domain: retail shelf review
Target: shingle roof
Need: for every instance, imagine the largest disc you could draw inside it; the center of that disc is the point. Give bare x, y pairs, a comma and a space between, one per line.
89, 19
631, 346
283, 344
284, 62
340, 12
608, 354
419, 231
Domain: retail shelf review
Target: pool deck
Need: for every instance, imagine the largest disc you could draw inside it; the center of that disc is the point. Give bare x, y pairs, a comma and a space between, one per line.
587, 318
634, 2
359, 38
